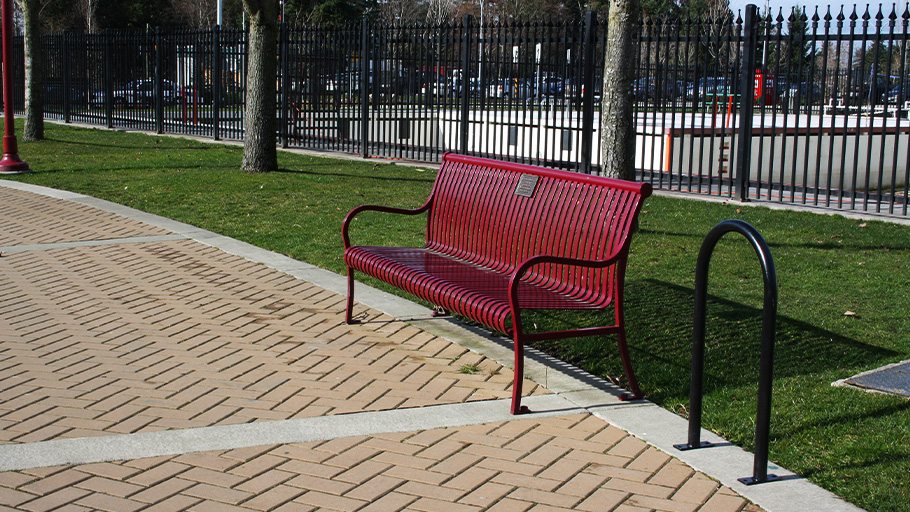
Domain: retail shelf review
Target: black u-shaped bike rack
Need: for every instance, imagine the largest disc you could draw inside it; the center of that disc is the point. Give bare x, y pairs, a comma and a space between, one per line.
766, 365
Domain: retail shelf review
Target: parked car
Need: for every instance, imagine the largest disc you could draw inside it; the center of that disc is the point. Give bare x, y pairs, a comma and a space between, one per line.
803, 93
54, 95
440, 87
867, 89
651, 89
138, 93
457, 83
384, 77
576, 91
899, 93
428, 82
547, 84
509, 88
711, 86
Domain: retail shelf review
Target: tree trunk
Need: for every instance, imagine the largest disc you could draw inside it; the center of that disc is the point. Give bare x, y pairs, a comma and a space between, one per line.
259, 149
34, 77
617, 115
88, 9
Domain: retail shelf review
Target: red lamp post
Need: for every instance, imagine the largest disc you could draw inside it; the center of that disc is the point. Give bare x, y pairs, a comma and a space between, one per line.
10, 163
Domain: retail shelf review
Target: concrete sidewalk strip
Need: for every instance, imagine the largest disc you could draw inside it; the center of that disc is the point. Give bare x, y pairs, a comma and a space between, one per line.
91, 243
147, 363
67, 452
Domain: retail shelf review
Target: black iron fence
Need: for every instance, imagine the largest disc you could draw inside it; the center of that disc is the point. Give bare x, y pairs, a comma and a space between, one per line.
157, 80
810, 108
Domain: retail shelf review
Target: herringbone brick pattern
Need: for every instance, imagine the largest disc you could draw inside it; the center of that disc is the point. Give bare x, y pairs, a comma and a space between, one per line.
567, 463
29, 219
139, 337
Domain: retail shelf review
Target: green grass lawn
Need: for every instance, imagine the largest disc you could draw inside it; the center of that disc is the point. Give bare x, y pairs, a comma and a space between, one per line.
853, 443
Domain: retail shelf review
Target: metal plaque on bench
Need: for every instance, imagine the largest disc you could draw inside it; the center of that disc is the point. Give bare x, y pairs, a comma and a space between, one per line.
527, 183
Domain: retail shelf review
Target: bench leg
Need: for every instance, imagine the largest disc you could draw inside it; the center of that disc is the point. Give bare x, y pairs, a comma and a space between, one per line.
350, 307
519, 368
627, 366
620, 317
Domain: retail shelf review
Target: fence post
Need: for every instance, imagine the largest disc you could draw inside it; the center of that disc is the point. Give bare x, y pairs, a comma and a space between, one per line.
465, 82
216, 82
587, 83
746, 85
66, 78
108, 86
285, 83
364, 89
159, 89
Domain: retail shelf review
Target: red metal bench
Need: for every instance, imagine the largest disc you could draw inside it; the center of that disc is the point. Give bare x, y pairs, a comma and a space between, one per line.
502, 237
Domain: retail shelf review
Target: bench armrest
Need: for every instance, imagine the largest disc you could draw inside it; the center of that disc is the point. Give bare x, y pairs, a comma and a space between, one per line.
370, 207
526, 265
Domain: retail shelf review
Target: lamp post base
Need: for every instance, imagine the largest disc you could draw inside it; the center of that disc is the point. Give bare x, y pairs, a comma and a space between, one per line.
12, 164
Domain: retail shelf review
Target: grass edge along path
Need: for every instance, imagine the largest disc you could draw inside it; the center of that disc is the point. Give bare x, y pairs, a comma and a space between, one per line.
844, 288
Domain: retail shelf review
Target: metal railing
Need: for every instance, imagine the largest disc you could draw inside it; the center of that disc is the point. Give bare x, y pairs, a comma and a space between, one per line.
810, 109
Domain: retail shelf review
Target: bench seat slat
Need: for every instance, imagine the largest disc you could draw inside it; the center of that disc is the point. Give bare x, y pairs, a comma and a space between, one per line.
469, 290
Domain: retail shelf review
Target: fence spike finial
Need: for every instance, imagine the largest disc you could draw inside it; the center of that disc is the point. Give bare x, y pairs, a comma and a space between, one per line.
828, 17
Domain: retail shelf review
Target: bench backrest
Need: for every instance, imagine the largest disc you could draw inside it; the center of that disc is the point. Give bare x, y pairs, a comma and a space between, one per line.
497, 214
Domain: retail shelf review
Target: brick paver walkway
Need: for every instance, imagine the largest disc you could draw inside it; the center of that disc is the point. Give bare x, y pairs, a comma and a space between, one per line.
170, 335
151, 336
567, 463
